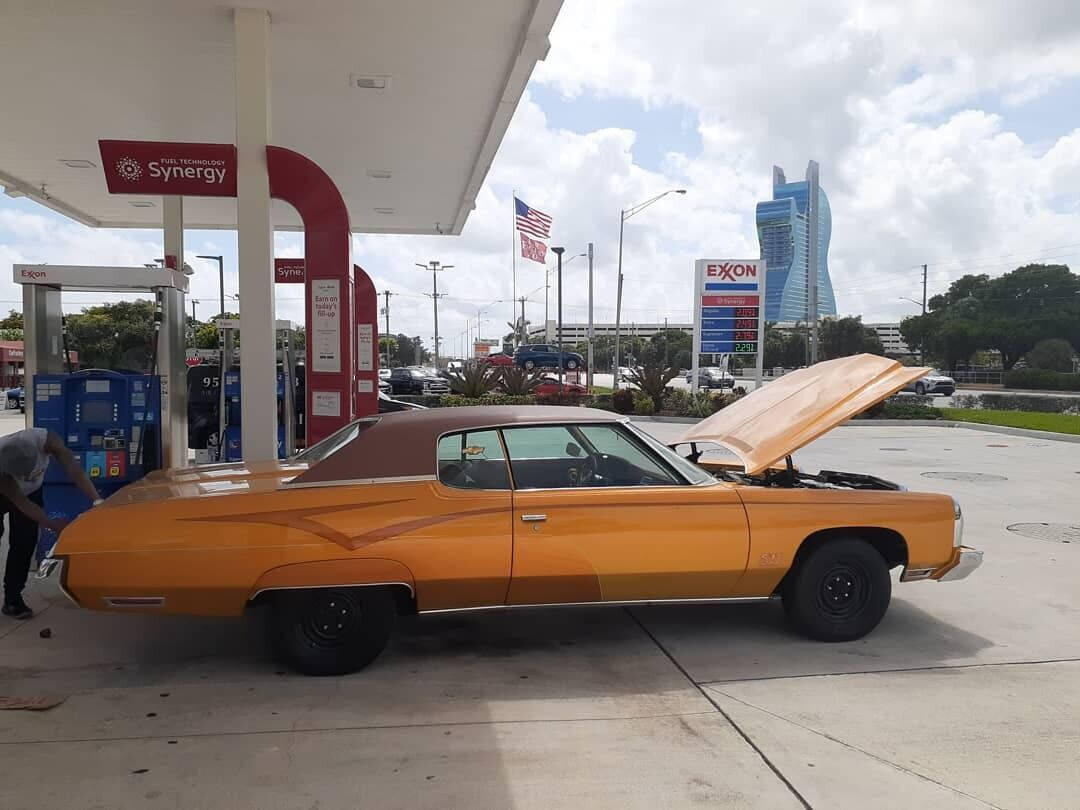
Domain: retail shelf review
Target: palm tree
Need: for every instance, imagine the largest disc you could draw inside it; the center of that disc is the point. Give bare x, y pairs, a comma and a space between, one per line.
516, 381
652, 380
473, 381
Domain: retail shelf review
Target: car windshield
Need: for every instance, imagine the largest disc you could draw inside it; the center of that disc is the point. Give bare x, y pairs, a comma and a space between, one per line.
690, 471
334, 442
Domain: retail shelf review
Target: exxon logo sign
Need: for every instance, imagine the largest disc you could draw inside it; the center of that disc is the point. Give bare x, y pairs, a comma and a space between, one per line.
732, 271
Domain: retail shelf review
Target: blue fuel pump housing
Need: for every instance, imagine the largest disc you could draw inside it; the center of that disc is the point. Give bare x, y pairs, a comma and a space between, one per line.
233, 447
111, 423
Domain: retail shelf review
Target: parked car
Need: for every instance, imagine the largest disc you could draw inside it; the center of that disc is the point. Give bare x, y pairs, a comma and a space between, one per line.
416, 380
712, 377
624, 374
13, 398
388, 404
384, 373
544, 355
471, 508
936, 382
550, 385
498, 359
384, 386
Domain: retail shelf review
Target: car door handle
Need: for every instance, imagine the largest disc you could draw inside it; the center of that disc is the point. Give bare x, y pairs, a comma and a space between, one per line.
533, 518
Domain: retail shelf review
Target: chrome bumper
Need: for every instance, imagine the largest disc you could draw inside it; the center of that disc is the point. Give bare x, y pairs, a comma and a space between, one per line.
49, 583
968, 560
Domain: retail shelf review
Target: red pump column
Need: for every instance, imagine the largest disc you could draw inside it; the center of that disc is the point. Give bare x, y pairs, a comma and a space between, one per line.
366, 312
328, 287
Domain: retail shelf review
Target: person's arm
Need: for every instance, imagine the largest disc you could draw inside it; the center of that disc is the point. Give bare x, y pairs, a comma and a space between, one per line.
56, 448
10, 490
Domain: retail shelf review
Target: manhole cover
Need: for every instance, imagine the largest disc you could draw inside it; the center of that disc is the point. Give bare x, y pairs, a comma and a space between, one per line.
965, 476
1050, 532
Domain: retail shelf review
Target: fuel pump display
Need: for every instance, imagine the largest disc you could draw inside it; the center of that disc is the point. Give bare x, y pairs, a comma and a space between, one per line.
111, 423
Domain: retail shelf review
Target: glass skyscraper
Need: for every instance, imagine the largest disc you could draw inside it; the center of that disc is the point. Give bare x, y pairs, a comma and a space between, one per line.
786, 225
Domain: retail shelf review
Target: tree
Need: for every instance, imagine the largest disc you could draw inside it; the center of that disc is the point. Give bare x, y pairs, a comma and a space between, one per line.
14, 320
670, 346
405, 351
1009, 314
843, 337
1054, 354
784, 349
516, 381
474, 381
652, 380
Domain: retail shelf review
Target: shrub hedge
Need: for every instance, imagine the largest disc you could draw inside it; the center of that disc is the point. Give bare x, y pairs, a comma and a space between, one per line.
1038, 378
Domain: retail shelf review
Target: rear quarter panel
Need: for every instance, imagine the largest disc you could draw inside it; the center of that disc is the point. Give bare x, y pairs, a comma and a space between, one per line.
781, 519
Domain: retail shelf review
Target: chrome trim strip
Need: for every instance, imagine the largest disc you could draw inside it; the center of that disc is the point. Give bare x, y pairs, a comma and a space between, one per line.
970, 559
916, 574
390, 479
342, 585
54, 566
134, 601
611, 603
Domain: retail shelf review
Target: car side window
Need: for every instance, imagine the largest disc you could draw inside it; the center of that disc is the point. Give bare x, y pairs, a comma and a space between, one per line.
561, 457
473, 460
625, 453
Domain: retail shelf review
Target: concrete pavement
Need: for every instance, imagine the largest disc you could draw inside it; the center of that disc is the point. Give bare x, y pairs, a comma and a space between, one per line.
967, 694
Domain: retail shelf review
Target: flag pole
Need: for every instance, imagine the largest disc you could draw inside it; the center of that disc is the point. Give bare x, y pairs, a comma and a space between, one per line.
513, 259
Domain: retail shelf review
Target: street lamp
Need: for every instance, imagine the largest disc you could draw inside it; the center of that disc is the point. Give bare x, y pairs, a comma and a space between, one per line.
221, 280
558, 251
435, 267
916, 303
624, 215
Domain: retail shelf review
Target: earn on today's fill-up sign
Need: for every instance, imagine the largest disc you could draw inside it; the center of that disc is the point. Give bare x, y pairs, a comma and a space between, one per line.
727, 304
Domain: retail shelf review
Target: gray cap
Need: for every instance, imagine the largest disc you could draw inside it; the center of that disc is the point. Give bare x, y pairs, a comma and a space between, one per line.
18, 456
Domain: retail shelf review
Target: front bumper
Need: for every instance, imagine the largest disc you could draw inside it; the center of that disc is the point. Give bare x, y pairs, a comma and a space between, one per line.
49, 583
964, 561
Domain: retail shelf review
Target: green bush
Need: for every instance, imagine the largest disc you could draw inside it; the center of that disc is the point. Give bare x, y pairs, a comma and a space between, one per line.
643, 404
677, 402
623, 400
1042, 379
456, 400
704, 404
1018, 402
560, 399
899, 409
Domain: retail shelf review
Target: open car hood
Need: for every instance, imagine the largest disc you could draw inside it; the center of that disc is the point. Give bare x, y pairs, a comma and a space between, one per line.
777, 419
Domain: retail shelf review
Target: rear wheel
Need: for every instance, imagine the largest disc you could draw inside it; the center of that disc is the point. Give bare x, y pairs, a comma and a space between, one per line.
331, 631
529, 365
920, 389
839, 592
571, 364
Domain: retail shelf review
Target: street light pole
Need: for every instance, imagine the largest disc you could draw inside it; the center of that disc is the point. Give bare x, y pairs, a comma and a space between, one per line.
386, 312
435, 267
221, 357
558, 251
589, 359
624, 215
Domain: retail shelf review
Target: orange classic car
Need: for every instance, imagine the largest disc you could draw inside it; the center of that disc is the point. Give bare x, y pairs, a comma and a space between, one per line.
467, 508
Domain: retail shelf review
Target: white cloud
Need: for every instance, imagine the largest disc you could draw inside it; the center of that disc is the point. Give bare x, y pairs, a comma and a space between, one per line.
901, 104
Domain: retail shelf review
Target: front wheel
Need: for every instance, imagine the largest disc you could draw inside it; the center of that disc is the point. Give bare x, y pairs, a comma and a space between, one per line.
571, 364
839, 592
529, 365
331, 631
920, 389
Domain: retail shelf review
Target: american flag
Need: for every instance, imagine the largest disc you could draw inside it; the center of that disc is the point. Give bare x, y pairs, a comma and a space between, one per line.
531, 221
533, 249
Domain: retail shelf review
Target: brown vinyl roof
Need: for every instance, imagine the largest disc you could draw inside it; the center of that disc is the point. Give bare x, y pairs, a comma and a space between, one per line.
395, 445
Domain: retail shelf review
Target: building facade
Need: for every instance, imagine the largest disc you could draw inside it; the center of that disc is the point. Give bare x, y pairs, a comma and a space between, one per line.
791, 227
891, 339
576, 332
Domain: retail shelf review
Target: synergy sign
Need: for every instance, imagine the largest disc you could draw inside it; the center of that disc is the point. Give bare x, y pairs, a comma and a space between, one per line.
187, 169
728, 308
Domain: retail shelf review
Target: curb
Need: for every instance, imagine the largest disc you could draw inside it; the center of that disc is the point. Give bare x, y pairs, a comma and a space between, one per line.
946, 423
949, 423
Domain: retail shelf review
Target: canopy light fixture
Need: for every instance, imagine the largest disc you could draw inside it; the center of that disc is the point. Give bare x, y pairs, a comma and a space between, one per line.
141, 204
78, 164
384, 210
378, 174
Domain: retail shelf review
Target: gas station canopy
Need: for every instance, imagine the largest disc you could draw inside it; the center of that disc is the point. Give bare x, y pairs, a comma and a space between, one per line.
402, 103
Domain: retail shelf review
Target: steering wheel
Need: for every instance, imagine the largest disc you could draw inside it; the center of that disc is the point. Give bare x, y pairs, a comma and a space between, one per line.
587, 472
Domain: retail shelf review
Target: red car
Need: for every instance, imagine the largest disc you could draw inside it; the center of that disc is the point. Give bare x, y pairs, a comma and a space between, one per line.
498, 359
550, 385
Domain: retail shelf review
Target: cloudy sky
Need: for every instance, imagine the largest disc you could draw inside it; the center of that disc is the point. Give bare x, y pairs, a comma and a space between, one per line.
947, 133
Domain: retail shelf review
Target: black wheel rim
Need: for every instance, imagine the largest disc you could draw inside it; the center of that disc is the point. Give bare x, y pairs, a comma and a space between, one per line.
330, 619
843, 591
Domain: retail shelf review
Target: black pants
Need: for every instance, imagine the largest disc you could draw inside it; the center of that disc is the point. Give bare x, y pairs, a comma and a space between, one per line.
22, 540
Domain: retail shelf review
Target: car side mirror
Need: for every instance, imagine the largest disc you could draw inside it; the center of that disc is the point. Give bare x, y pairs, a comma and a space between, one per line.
572, 450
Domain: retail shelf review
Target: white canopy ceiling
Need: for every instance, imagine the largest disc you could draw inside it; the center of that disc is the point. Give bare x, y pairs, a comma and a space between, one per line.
402, 102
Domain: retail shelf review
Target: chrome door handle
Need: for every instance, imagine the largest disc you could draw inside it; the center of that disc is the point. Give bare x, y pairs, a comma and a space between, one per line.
533, 518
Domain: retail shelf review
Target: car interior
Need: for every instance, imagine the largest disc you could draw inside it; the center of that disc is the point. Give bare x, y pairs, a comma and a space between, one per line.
476, 460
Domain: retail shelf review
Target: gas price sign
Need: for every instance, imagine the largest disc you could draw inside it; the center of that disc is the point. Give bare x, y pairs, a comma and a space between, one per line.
728, 306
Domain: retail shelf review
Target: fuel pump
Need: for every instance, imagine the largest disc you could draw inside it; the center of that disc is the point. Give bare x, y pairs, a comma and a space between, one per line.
116, 423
